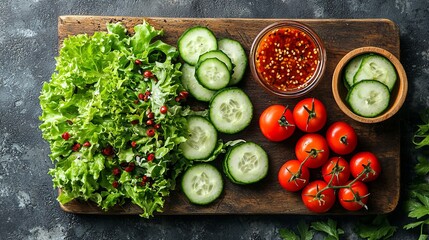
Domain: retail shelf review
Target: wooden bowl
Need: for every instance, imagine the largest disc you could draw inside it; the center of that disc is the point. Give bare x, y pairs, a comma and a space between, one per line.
398, 93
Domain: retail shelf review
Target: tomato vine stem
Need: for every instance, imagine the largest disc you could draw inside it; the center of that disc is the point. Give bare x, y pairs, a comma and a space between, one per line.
357, 198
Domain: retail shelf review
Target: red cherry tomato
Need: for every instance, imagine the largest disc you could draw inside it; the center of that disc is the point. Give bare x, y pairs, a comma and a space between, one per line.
315, 200
291, 177
276, 123
310, 115
313, 149
355, 197
337, 169
342, 138
365, 162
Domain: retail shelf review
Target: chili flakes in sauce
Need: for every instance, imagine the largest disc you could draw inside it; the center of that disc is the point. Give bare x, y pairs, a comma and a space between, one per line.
287, 58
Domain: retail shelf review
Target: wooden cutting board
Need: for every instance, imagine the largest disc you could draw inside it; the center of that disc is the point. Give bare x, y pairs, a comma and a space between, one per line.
267, 197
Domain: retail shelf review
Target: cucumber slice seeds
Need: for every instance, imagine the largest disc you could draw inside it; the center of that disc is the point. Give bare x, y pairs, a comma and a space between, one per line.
202, 184
246, 163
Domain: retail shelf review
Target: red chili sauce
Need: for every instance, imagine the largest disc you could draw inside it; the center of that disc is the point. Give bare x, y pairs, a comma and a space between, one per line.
286, 58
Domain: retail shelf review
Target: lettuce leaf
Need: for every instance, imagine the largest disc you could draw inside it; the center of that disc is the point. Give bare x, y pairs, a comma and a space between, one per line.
93, 95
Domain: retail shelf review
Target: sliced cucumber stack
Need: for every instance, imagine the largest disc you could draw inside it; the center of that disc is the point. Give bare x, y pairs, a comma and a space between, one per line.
369, 98
202, 140
230, 110
217, 64
212, 73
218, 55
370, 78
246, 163
202, 184
192, 85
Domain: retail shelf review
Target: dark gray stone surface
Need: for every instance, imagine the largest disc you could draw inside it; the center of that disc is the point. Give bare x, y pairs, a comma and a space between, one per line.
28, 45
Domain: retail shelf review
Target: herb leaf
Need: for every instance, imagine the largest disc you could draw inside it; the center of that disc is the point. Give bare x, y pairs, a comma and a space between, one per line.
329, 227
378, 228
287, 234
422, 167
421, 137
423, 237
304, 231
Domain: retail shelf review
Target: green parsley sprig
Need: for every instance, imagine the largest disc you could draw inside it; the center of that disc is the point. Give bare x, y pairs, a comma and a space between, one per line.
417, 204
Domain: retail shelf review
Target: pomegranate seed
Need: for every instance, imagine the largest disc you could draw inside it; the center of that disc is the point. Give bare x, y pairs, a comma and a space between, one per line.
183, 94
87, 144
157, 126
133, 144
163, 109
147, 74
76, 147
150, 157
144, 181
147, 93
177, 99
149, 122
66, 136
141, 96
108, 151
134, 122
116, 171
150, 132
150, 115
146, 98
115, 184
138, 62
130, 167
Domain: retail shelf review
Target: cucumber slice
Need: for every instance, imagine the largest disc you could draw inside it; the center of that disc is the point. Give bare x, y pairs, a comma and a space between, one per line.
202, 140
212, 73
238, 56
202, 184
369, 98
350, 70
376, 67
194, 42
219, 55
230, 110
192, 85
246, 163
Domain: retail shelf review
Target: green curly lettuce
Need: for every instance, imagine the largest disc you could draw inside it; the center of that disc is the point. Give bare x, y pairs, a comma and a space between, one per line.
94, 119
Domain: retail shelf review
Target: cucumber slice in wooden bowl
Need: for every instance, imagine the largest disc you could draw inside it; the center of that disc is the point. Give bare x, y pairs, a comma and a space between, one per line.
379, 69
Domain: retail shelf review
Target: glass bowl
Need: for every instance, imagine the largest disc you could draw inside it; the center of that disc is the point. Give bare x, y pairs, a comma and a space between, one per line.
287, 59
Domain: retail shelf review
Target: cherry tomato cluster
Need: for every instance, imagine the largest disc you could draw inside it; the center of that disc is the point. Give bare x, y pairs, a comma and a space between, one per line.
313, 151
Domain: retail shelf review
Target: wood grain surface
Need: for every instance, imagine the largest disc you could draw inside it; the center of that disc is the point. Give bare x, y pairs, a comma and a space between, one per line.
267, 197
